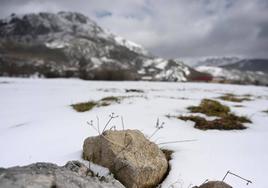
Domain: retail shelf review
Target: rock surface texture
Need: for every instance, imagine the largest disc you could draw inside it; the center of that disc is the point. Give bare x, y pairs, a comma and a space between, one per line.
47, 175
134, 160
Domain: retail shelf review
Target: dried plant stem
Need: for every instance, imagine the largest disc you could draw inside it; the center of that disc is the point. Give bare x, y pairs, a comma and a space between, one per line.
90, 124
111, 118
98, 125
154, 133
179, 141
122, 121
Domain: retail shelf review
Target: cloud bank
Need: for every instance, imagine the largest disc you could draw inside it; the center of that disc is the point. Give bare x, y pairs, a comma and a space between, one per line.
172, 28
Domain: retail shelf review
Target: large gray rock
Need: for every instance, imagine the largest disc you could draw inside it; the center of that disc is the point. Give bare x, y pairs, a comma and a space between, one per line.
134, 160
47, 175
215, 184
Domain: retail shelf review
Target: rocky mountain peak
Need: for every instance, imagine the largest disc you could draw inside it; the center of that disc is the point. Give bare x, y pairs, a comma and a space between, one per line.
46, 23
69, 44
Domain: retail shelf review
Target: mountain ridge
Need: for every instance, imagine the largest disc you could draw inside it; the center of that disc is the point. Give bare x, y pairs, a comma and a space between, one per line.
69, 44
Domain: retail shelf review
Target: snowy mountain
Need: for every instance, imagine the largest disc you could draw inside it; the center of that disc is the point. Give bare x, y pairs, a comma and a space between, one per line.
233, 69
258, 65
235, 76
212, 61
70, 44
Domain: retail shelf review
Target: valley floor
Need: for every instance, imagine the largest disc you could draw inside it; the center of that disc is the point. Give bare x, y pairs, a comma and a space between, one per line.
37, 123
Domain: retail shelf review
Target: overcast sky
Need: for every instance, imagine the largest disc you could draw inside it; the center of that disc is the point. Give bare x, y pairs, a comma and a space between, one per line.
172, 28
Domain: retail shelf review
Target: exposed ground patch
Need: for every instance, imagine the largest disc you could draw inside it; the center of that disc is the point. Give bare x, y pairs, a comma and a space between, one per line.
134, 91
5, 82
210, 108
19, 125
225, 121
238, 106
86, 106
168, 154
106, 101
235, 98
169, 97
228, 122
113, 90
265, 111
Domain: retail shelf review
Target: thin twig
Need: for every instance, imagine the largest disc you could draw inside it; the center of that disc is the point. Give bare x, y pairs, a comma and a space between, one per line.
111, 117
98, 125
172, 142
122, 121
91, 124
158, 127
229, 172
153, 133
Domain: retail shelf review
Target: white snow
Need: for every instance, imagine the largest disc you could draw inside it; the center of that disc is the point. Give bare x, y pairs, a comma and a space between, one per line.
242, 76
215, 61
130, 45
56, 44
160, 63
215, 71
38, 124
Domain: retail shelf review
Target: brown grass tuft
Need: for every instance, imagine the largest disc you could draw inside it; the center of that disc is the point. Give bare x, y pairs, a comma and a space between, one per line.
265, 111
226, 122
134, 91
233, 98
168, 153
210, 108
84, 106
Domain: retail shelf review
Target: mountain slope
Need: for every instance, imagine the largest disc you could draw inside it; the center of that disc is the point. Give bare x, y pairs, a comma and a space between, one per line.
260, 65
234, 75
233, 69
69, 44
212, 61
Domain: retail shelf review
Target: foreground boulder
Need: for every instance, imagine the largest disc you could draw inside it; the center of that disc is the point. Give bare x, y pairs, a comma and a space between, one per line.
134, 160
214, 184
46, 175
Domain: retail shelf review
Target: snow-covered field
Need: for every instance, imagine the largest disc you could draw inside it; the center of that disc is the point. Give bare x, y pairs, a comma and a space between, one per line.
38, 124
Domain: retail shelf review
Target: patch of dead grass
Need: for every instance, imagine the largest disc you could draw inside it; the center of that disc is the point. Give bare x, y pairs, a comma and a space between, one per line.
265, 111
238, 106
234, 98
134, 91
210, 108
226, 122
86, 106
168, 153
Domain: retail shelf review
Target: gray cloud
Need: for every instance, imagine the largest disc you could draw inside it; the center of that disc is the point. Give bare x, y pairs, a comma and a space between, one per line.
172, 28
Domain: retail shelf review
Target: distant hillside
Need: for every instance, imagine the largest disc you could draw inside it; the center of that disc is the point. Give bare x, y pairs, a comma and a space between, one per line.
211, 61
260, 65
70, 44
